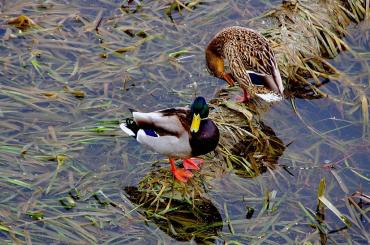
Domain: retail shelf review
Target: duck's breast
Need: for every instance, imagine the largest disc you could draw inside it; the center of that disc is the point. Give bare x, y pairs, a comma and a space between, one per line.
206, 140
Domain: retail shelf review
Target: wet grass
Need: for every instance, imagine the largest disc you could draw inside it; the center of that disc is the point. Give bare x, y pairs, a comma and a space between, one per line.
293, 172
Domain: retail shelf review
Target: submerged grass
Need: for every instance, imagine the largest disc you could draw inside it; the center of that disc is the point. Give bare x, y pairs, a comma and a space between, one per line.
69, 175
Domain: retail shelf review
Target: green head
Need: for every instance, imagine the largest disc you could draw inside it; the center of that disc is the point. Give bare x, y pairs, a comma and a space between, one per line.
199, 110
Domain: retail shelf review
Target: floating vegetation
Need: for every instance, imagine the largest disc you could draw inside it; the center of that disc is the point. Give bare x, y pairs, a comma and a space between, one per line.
77, 93
178, 6
22, 22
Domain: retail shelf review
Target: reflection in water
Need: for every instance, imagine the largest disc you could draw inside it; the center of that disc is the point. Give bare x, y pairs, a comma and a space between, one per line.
306, 91
262, 152
180, 219
248, 146
250, 154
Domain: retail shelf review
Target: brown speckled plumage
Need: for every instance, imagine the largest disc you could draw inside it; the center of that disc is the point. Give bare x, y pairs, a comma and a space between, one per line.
246, 52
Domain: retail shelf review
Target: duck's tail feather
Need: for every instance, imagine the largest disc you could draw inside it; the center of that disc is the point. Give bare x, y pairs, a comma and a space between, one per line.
277, 79
129, 127
270, 97
128, 131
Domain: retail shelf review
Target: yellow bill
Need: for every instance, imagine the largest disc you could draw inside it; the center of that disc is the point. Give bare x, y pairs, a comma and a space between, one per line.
195, 123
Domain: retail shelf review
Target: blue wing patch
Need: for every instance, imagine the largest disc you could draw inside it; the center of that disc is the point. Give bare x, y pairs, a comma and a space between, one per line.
150, 132
256, 79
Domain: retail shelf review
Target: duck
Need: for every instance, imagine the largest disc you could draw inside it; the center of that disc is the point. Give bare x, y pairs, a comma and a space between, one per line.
178, 133
251, 62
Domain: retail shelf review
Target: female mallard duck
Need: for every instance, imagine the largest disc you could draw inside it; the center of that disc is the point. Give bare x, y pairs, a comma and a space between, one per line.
179, 132
251, 62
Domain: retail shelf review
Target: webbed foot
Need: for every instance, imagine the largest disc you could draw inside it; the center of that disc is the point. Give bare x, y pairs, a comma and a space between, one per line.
192, 163
182, 174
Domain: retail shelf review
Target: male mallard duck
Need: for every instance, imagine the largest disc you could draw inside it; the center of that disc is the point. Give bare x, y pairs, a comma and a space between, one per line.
251, 62
179, 132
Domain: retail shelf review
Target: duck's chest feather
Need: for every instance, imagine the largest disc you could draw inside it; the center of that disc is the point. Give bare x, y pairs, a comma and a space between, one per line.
206, 140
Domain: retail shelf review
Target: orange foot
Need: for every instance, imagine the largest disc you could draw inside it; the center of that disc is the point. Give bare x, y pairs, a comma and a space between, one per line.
245, 98
192, 163
182, 175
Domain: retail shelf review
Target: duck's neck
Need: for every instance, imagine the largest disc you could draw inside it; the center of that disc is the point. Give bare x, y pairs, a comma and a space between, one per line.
214, 61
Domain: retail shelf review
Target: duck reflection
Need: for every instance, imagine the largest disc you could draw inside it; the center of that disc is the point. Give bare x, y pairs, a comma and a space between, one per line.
247, 146
253, 156
181, 219
305, 90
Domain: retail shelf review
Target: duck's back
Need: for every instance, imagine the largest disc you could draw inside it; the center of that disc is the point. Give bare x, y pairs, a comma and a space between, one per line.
247, 48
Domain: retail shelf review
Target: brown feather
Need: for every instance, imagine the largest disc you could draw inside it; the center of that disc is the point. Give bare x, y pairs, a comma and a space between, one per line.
245, 50
183, 114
